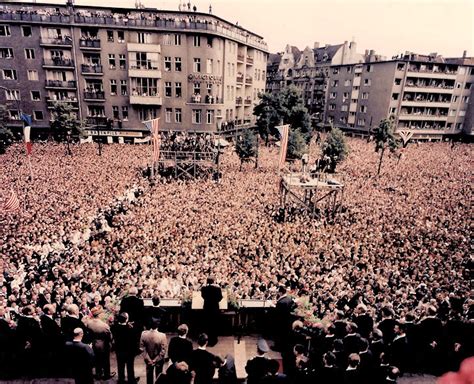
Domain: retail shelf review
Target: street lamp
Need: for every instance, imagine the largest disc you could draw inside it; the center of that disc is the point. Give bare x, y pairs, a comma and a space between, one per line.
68, 137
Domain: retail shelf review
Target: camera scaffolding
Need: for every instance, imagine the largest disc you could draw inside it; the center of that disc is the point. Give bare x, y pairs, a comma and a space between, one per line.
317, 193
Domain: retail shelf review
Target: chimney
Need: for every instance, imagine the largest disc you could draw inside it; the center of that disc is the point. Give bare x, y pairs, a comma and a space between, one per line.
316, 45
372, 52
366, 52
464, 54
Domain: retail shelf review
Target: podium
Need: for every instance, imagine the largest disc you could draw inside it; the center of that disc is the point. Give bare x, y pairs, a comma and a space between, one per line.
198, 302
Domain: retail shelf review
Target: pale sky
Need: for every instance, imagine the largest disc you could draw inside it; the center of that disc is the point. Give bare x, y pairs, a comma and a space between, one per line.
388, 26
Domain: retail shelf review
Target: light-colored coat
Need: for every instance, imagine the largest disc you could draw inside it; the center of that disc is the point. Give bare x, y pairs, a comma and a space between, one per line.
153, 345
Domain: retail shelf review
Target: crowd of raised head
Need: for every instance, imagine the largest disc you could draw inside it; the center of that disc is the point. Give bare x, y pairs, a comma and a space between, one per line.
90, 228
187, 142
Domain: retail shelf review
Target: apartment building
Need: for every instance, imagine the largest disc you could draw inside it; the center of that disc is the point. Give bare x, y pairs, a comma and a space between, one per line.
428, 95
119, 67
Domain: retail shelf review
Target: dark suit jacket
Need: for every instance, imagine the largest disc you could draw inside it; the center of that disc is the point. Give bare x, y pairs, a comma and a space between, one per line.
204, 364
279, 378
212, 295
329, 375
256, 369
352, 377
227, 373
68, 324
134, 306
80, 358
52, 334
180, 349
124, 337
365, 323
28, 330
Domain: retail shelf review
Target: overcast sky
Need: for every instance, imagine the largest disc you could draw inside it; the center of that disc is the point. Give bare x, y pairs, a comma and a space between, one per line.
388, 26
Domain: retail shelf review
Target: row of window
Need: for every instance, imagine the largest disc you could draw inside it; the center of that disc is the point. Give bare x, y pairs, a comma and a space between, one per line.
7, 53
345, 108
347, 83
345, 96
368, 68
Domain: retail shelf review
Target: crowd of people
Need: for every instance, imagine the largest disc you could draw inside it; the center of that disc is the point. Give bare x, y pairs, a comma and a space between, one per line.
394, 264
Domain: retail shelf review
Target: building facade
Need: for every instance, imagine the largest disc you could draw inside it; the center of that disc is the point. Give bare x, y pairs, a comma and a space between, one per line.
120, 67
427, 95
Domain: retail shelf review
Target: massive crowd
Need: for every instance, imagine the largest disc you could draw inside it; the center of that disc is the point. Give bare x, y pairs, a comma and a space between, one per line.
90, 228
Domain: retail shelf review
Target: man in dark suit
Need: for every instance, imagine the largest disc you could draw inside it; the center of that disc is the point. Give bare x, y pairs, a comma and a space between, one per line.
124, 337
134, 306
352, 373
387, 325
212, 295
203, 362
329, 373
71, 321
28, 332
52, 339
6, 344
155, 313
273, 376
80, 358
367, 364
364, 321
227, 373
180, 348
399, 348
431, 331
258, 367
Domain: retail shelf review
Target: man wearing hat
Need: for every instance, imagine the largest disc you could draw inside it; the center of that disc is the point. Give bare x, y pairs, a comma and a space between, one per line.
258, 367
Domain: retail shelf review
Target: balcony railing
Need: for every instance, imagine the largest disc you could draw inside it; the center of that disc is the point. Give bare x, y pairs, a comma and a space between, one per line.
148, 65
67, 41
240, 79
88, 43
51, 102
238, 101
96, 120
249, 60
197, 99
61, 84
58, 62
94, 95
240, 57
248, 80
248, 101
92, 69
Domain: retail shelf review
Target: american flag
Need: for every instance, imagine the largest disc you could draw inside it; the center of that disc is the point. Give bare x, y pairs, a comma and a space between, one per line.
284, 130
12, 204
152, 125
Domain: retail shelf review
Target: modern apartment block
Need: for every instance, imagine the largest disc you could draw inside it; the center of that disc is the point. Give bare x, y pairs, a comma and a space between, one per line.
119, 67
428, 95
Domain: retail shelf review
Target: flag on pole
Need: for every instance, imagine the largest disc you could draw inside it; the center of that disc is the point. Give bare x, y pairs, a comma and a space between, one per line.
28, 143
153, 126
284, 131
12, 204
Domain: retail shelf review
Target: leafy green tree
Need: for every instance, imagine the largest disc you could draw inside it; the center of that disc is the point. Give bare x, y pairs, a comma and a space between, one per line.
384, 137
64, 122
6, 135
267, 115
246, 147
297, 146
334, 148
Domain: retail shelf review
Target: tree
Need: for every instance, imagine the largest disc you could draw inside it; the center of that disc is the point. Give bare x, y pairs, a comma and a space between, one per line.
334, 148
287, 107
384, 137
64, 121
6, 135
297, 146
246, 146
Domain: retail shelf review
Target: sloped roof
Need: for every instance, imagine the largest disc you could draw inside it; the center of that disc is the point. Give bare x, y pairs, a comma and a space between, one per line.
329, 51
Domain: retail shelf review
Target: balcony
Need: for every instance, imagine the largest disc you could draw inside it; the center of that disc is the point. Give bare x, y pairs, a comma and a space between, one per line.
99, 121
240, 57
418, 117
426, 103
249, 60
58, 62
94, 96
248, 101
56, 41
94, 69
238, 101
146, 100
196, 99
248, 80
428, 88
68, 84
240, 79
92, 44
144, 68
50, 102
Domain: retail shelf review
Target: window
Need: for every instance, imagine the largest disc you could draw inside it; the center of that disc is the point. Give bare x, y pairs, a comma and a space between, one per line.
177, 89
177, 39
398, 81
115, 112
197, 41
370, 68
335, 71
455, 99
197, 88
35, 95
29, 53
197, 65
333, 95
110, 36
9, 74
6, 53
14, 114
178, 116
167, 63
400, 66
458, 85
177, 64
111, 60
452, 112
125, 112
209, 41
361, 122
121, 36
393, 111
123, 87
12, 94
332, 107
367, 82
32, 75
122, 61
38, 115
5, 30
347, 83
349, 69
467, 86
465, 99
344, 108
345, 96
335, 83
209, 117
166, 39
365, 95
168, 89
209, 63
143, 38
462, 113
395, 96
26, 31
168, 114
113, 87
197, 116
363, 108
